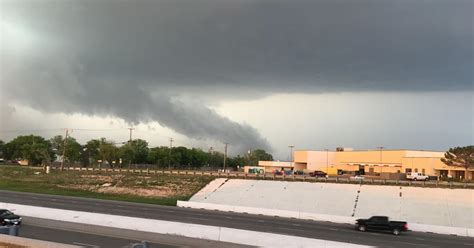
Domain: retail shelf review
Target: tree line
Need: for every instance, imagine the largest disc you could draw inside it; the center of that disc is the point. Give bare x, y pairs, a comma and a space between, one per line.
40, 151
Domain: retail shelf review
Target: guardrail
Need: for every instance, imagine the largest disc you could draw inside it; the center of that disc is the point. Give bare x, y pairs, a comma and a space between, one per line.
303, 178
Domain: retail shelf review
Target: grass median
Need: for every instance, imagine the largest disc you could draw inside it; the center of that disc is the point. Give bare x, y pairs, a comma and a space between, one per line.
143, 188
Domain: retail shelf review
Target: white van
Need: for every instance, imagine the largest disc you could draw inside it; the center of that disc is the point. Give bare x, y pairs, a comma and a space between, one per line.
417, 176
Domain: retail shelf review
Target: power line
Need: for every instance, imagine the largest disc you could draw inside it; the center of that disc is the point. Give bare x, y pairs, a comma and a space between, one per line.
57, 129
97, 130
30, 130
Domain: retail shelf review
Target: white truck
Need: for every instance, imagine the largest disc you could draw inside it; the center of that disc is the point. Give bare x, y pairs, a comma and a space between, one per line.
416, 176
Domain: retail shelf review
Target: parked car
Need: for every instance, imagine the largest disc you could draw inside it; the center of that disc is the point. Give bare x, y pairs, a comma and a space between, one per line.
357, 177
277, 173
317, 174
416, 176
298, 172
9, 218
381, 223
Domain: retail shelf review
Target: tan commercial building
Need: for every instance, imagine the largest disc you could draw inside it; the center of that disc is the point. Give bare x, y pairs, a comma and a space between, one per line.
370, 162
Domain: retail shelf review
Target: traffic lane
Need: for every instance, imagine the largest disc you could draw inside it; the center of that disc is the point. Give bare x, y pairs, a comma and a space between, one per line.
79, 238
303, 228
206, 217
129, 234
241, 221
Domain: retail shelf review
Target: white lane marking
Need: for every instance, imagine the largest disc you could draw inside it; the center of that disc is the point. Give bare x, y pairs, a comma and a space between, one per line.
295, 224
419, 239
408, 243
196, 218
227, 217
86, 245
291, 229
334, 229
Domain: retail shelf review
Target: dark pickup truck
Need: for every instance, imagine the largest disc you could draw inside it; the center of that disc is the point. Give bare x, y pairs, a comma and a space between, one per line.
9, 218
381, 223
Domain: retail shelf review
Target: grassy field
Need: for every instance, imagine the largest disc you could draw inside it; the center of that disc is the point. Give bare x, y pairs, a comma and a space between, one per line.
153, 189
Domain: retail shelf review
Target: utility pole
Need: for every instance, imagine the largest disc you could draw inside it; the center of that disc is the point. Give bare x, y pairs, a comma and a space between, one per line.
210, 156
225, 155
291, 154
131, 129
249, 153
169, 154
327, 161
64, 149
381, 165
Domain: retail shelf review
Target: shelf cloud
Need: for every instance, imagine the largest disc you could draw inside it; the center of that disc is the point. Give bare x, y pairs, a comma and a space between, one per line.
168, 61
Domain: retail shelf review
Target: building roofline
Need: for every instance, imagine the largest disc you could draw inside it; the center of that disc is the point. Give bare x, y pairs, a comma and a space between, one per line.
371, 150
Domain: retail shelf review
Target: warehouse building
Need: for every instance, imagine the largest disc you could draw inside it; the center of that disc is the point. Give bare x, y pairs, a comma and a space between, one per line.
383, 163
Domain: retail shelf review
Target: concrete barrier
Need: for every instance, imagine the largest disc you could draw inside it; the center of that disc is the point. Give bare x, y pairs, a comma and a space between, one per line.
460, 231
215, 233
24, 242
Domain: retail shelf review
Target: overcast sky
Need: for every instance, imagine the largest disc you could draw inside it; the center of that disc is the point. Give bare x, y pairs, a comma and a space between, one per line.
255, 74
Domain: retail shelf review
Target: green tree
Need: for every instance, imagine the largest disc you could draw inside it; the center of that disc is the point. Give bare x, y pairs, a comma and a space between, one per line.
2, 147
134, 152
238, 161
160, 156
198, 158
73, 148
57, 144
460, 157
140, 151
216, 160
35, 149
126, 153
259, 155
108, 152
91, 151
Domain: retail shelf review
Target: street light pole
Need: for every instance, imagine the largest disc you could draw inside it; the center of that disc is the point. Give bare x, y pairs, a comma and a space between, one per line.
210, 155
327, 161
381, 165
225, 156
291, 154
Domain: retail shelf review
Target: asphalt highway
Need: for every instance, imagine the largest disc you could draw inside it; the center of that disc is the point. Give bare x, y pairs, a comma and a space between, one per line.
83, 239
294, 227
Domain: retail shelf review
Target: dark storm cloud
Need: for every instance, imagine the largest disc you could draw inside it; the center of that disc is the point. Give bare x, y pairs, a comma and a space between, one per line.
135, 59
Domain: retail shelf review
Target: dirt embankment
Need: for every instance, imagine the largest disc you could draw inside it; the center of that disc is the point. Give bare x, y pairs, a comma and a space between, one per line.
145, 186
